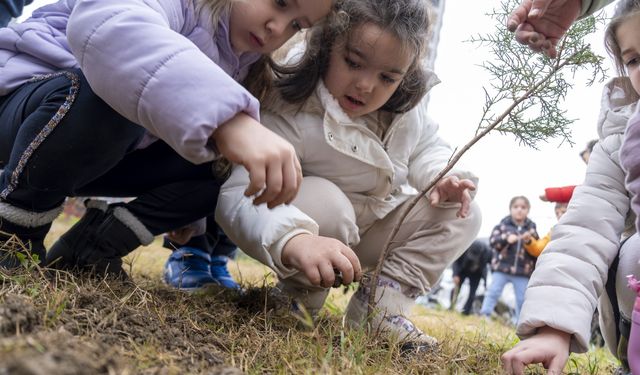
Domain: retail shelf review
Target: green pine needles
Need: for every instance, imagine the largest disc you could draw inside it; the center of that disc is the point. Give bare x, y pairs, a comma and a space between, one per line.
526, 91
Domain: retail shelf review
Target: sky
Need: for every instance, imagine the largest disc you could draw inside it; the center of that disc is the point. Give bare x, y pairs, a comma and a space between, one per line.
505, 168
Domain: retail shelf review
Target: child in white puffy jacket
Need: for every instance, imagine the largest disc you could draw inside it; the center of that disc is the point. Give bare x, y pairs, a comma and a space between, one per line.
352, 109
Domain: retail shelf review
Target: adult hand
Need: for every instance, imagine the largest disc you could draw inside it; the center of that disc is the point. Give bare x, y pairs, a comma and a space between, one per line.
549, 346
540, 24
274, 169
453, 189
318, 256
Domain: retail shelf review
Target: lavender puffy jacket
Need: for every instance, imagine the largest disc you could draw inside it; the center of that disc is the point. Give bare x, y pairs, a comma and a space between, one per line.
159, 63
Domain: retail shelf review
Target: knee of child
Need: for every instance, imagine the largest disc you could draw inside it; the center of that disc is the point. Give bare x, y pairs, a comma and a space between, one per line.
342, 228
328, 206
474, 218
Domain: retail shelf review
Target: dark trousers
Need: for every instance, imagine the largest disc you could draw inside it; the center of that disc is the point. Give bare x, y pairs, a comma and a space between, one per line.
11, 8
214, 241
474, 282
58, 139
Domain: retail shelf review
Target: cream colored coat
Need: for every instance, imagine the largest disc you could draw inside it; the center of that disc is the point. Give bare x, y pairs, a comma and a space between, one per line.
375, 174
570, 274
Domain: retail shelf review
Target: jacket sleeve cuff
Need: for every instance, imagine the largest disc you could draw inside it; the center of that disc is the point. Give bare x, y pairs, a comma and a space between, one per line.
573, 317
589, 7
276, 253
559, 194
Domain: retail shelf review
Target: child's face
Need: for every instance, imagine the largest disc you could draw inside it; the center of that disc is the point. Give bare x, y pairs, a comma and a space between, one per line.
519, 210
366, 69
561, 209
265, 25
628, 39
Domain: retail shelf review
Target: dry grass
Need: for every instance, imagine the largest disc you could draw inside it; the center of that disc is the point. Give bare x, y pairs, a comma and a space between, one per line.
60, 324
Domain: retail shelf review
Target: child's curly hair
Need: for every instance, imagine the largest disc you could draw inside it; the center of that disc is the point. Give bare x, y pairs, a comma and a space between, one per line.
408, 20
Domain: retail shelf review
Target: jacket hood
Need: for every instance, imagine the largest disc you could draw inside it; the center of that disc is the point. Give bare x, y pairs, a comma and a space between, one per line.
618, 104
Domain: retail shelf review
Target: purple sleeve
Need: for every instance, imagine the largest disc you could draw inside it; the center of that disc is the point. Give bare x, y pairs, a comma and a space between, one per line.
630, 162
137, 62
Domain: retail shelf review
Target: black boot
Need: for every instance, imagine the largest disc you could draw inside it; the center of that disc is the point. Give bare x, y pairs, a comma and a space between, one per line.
99, 240
60, 257
23, 232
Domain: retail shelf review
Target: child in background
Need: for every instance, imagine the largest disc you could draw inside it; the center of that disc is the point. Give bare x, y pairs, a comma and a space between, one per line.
586, 153
86, 89
594, 245
511, 263
472, 265
351, 108
535, 246
563, 193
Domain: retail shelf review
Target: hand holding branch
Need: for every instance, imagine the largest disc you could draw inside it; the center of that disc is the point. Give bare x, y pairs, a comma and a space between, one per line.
453, 189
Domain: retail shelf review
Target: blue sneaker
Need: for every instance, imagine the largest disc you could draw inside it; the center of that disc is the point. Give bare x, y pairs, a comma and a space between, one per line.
220, 273
191, 269
188, 269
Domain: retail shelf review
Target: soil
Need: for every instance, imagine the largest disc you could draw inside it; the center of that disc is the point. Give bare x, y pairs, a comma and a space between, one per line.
114, 329
17, 316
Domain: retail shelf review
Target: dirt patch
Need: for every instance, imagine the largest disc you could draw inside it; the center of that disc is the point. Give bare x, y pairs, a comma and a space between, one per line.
69, 325
17, 315
53, 353
139, 320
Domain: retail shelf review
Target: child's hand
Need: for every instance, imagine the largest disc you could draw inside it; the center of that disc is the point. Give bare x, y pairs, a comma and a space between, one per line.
453, 189
526, 236
270, 160
512, 238
549, 346
318, 256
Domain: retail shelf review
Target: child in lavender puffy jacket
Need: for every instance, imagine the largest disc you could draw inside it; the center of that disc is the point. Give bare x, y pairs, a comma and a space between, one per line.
137, 98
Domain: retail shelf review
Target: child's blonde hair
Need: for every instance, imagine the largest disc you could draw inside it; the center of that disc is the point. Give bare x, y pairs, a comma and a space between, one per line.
218, 8
260, 77
407, 20
259, 80
624, 10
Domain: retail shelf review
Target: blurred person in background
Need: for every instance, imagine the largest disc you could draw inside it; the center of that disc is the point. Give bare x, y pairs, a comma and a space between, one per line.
471, 265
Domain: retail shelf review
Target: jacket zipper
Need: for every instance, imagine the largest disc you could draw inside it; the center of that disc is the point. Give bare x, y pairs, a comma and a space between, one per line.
519, 243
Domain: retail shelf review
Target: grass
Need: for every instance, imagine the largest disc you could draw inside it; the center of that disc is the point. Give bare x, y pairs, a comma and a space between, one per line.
55, 323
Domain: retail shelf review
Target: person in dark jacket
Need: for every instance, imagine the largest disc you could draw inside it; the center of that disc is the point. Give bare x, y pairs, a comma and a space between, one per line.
511, 263
471, 265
